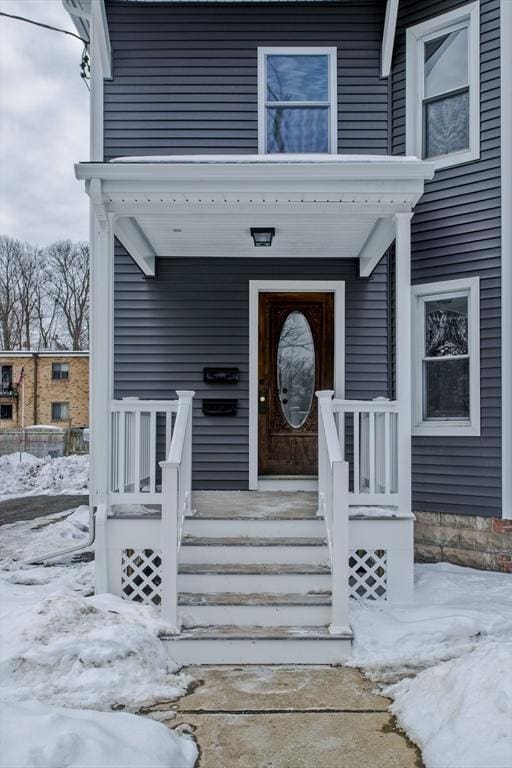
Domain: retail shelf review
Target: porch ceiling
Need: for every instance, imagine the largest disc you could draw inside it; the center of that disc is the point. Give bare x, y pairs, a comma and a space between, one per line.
327, 206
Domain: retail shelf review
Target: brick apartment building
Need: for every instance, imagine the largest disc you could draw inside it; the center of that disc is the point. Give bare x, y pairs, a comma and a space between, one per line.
44, 388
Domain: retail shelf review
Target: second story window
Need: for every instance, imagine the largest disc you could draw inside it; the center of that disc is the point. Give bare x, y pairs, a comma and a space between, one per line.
60, 371
6, 378
297, 100
443, 72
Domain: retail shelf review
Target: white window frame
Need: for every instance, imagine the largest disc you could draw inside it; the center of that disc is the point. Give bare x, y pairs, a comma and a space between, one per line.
465, 16
469, 287
263, 52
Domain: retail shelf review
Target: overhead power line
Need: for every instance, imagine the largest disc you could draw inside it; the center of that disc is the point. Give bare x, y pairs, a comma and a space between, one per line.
46, 26
84, 64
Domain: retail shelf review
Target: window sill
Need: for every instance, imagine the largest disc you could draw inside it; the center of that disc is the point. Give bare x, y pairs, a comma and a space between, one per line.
457, 158
446, 429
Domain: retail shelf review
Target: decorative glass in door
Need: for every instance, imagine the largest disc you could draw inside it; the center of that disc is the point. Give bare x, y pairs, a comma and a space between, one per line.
296, 369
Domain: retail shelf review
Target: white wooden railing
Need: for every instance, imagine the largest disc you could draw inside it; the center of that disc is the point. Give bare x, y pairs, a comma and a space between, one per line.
368, 438
333, 506
141, 433
152, 438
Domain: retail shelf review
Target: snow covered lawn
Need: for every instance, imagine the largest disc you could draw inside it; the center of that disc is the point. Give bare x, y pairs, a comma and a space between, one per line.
22, 474
446, 662
69, 658
65, 653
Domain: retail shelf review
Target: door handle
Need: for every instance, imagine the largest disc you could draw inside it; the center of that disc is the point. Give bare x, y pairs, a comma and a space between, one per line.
262, 402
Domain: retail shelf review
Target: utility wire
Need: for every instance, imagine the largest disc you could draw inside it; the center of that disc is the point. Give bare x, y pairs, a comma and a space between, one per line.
46, 26
84, 65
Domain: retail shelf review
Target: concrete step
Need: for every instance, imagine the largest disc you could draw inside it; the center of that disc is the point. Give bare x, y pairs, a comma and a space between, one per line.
268, 527
231, 644
201, 550
255, 577
257, 609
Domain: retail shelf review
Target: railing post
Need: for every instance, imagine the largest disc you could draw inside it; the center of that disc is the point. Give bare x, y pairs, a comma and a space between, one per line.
185, 398
339, 549
169, 544
323, 397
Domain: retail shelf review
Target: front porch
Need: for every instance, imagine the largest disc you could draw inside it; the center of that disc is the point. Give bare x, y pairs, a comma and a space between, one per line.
268, 573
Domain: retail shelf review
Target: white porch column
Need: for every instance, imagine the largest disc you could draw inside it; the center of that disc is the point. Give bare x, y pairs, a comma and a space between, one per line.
403, 393
403, 355
101, 352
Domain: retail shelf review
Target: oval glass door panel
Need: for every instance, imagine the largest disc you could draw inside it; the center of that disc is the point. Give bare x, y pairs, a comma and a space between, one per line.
296, 369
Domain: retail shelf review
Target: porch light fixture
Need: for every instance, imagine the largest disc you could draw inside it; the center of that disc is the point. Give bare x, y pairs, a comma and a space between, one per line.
262, 236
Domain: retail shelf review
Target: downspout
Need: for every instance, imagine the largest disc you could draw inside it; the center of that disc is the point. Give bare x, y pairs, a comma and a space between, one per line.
67, 550
36, 388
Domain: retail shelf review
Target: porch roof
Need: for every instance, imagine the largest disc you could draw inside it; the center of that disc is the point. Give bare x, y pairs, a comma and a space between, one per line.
338, 206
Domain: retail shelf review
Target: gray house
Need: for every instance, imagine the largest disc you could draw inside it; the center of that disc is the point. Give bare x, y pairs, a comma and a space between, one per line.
301, 320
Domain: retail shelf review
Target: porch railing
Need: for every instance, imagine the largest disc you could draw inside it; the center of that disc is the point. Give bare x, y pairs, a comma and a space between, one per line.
152, 464
333, 505
141, 434
368, 439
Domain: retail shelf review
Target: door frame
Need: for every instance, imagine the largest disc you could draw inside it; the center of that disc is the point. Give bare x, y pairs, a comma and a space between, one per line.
337, 287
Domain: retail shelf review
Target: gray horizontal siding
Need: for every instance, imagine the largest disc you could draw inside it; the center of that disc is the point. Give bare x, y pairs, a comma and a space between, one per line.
456, 233
185, 76
196, 313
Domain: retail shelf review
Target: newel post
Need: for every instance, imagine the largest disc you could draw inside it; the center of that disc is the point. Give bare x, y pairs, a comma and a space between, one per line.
339, 549
185, 398
169, 544
324, 396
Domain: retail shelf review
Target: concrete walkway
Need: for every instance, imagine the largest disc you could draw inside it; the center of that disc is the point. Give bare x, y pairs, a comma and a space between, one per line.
288, 717
30, 507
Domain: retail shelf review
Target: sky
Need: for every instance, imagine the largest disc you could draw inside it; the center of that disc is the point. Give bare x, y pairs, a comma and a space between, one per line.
44, 126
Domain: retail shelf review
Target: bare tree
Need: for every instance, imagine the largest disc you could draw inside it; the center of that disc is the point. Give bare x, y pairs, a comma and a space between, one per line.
29, 279
67, 276
10, 319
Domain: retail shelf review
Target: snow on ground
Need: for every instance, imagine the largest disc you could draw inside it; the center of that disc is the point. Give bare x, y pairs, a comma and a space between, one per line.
62, 647
22, 474
451, 653
38, 736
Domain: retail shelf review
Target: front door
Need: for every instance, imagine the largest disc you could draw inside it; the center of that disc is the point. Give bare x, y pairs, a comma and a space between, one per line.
295, 359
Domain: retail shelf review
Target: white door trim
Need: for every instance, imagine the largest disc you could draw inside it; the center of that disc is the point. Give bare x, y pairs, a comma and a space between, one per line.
337, 287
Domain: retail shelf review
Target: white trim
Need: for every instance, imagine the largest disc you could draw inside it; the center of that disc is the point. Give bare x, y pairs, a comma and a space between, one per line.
331, 52
289, 286
469, 287
379, 240
101, 68
467, 15
133, 239
506, 257
388, 37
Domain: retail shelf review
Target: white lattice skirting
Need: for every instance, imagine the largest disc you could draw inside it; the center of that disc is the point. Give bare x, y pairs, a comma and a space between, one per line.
368, 574
141, 575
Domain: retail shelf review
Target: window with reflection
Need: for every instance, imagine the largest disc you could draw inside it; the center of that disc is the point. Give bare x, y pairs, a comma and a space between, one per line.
297, 101
446, 360
446, 357
443, 87
446, 94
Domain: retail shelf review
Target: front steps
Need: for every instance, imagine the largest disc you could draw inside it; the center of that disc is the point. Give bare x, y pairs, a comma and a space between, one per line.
254, 575
254, 583
228, 644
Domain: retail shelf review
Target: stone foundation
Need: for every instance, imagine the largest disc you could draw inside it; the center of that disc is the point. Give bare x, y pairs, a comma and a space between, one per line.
477, 542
